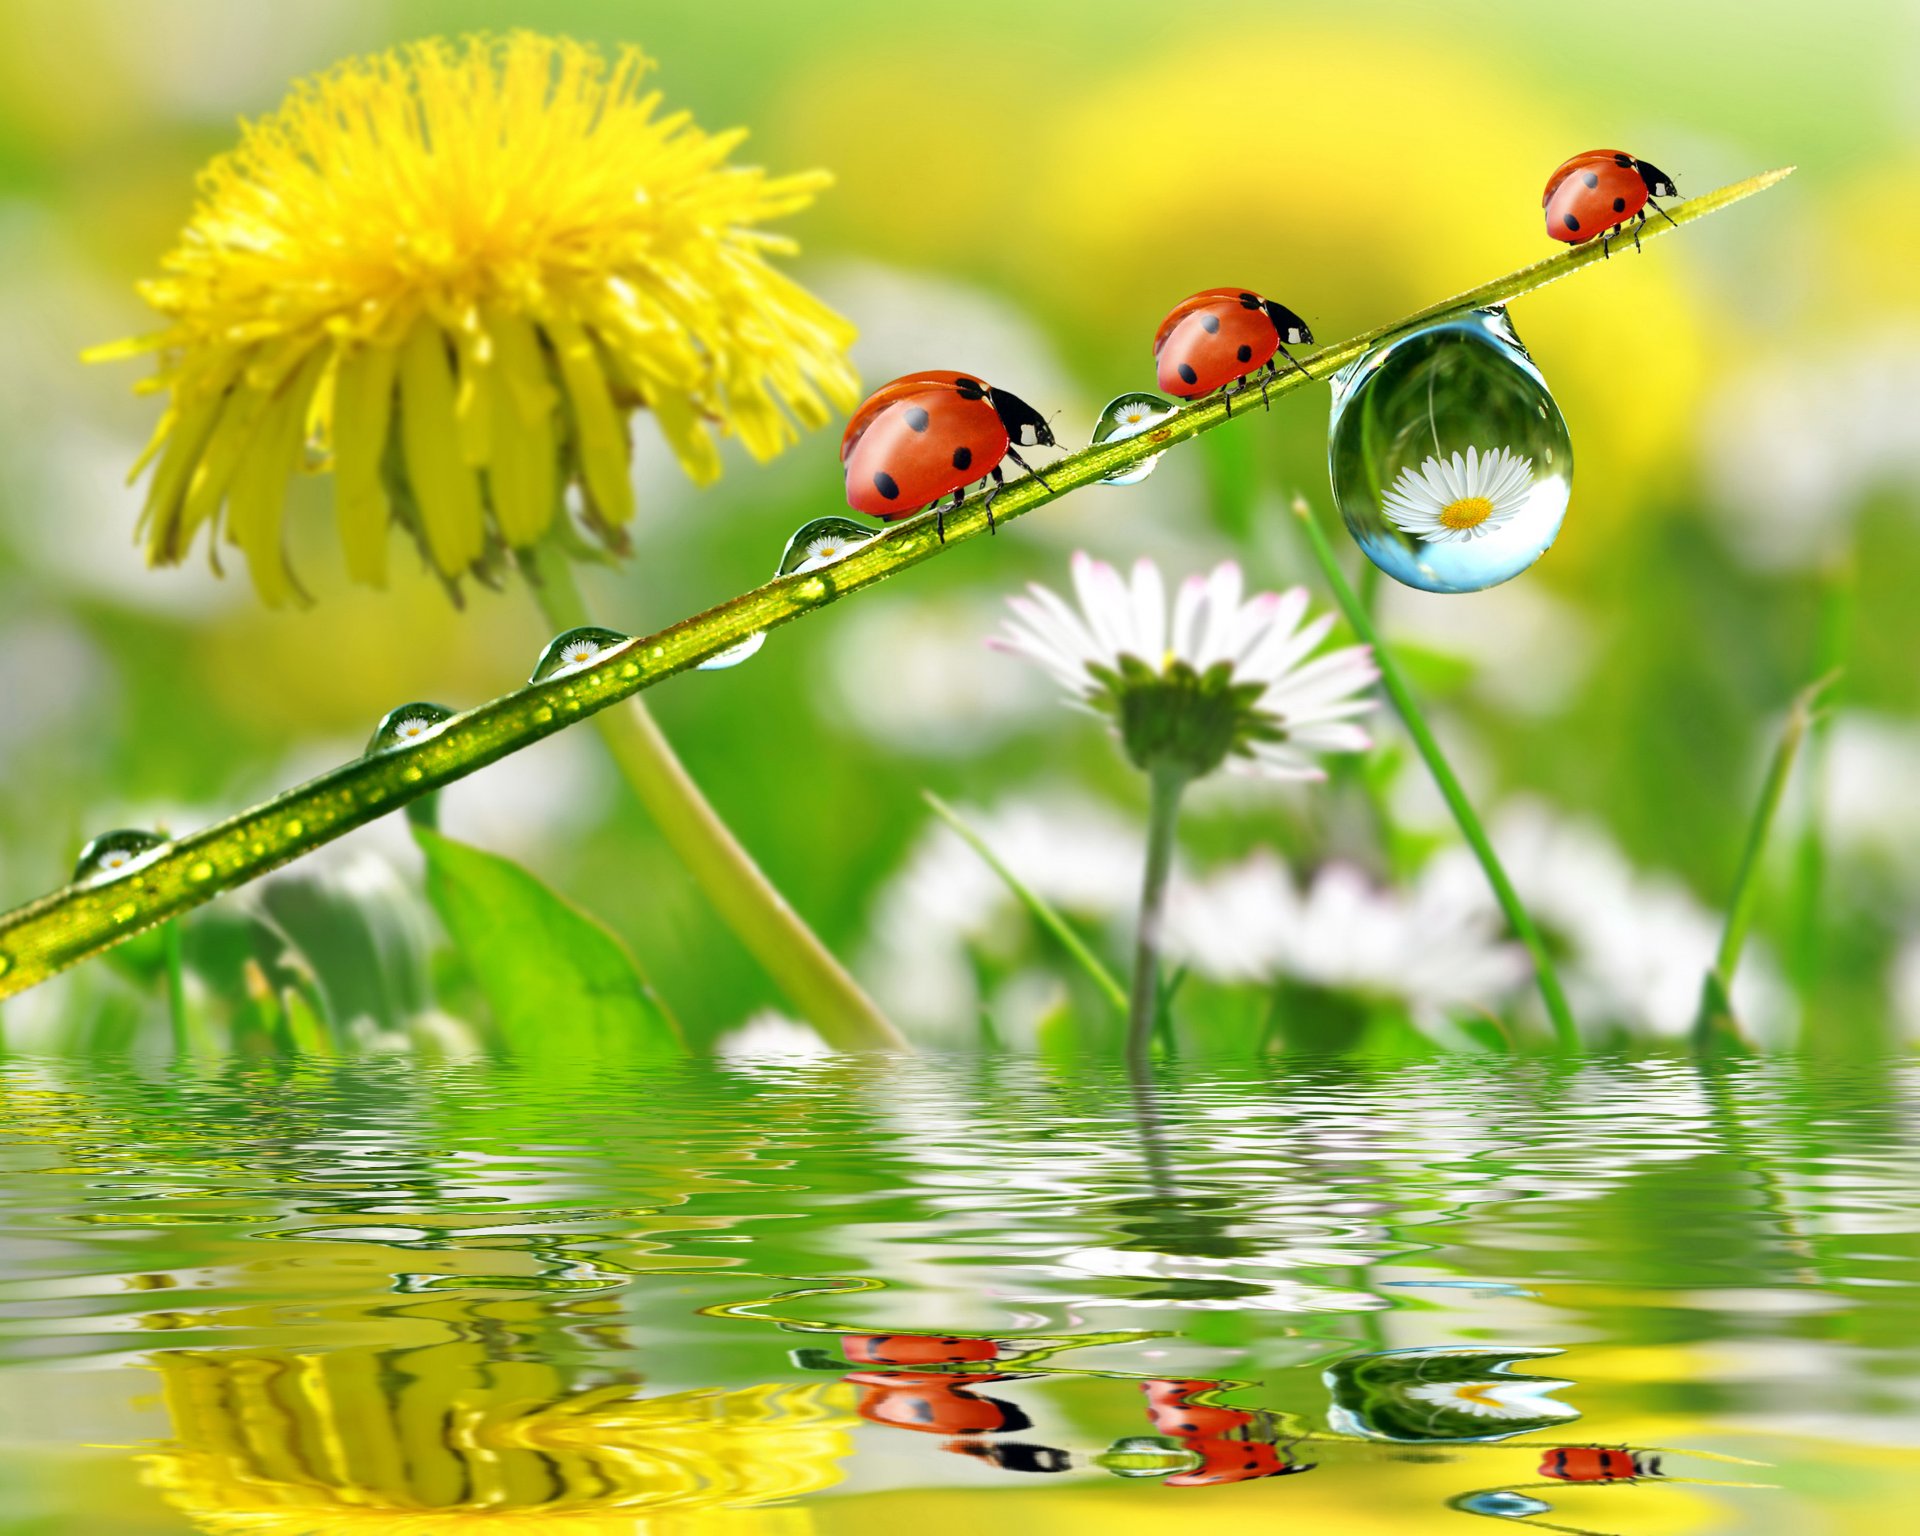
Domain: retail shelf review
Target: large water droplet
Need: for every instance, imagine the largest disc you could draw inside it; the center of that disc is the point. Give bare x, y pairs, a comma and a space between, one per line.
1128, 416
576, 648
409, 723
113, 853
1450, 460
1502, 1502
814, 546
1147, 1456
1443, 1394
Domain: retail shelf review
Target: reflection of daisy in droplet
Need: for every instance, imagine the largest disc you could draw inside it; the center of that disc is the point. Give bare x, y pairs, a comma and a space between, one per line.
577, 653
412, 728
114, 858
826, 549
1133, 418
1451, 500
1517, 1397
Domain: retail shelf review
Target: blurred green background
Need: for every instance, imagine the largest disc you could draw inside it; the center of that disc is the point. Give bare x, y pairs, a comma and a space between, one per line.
1022, 191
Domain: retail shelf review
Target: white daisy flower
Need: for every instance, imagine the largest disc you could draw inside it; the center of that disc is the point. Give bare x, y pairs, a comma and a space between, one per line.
412, 728
771, 1036
577, 653
114, 858
1218, 681
826, 549
1421, 946
1448, 501
1514, 1397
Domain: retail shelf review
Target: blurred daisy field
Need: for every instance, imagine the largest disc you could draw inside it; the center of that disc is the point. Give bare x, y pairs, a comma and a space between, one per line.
1022, 195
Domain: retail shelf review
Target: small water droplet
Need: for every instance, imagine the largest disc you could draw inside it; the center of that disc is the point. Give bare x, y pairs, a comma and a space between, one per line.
114, 853
822, 542
576, 648
1450, 460
126, 912
733, 655
1128, 416
200, 871
296, 827
1147, 1456
406, 725
543, 714
1504, 1503
630, 669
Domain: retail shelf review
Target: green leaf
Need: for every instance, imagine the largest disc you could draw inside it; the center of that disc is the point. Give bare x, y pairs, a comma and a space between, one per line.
558, 981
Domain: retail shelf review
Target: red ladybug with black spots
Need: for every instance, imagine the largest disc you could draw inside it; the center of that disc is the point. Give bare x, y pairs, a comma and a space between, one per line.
1235, 1461
930, 435
1596, 192
936, 1402
1217, 338
1598, 1464
915, 1349
1230, 1442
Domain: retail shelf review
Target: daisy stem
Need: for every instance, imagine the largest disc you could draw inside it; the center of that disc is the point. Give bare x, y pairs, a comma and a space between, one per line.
746, 900
1559, 1014
1165, 785
1715, 1021
1043, 914
77, 921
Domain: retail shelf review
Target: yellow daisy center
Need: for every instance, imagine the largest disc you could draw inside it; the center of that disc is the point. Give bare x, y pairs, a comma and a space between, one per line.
1467, 512
1479, 1391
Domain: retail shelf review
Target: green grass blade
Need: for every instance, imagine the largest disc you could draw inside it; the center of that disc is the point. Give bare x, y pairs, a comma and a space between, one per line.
1559, 1014
1043, 914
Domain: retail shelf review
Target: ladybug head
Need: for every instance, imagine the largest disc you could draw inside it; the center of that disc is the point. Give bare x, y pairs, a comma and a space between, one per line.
1659, 183
1026, 427
1291, 327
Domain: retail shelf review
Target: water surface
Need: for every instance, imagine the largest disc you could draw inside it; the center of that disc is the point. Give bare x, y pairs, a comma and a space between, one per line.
868, 1295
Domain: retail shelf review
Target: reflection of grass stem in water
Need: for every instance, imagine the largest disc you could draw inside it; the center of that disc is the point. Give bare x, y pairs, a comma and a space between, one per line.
75, 922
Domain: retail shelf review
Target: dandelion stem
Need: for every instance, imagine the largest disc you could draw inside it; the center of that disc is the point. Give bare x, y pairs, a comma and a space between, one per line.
1716, 1020
773, 933
1559, 1015
77, 921
1165, 784
1043, 914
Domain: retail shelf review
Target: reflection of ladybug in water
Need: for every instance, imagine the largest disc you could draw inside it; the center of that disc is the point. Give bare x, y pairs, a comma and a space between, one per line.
916, 1349
935, 1402
1598, 1464
1228, 1441
1013, 1455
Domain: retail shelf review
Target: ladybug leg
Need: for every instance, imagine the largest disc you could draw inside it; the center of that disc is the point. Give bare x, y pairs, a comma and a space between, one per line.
1014, 454
1227, 393
986, 505
1298, 366
1659, 210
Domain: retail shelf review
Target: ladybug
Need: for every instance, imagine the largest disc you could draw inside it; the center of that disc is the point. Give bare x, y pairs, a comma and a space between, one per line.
915, 1349
1013, 1455
930, 434
1172, 1414
935, 1402
1598, 1464
1218, 337
1596, 192
1236, 1461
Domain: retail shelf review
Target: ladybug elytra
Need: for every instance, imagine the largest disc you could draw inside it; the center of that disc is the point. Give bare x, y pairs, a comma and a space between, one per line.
1598, 1464
1596, 192
915, 1348
930, 435
936, 1402
1217, 338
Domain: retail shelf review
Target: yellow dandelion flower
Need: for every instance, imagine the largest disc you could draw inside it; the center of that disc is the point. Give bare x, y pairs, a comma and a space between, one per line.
449, 272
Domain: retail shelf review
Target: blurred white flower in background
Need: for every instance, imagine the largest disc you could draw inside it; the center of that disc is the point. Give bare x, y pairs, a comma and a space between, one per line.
1869, 807
1794, 445
906, 670
1635, 946
1081, 857
1250, 922
1530, 649
771, 1036
1903, 985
